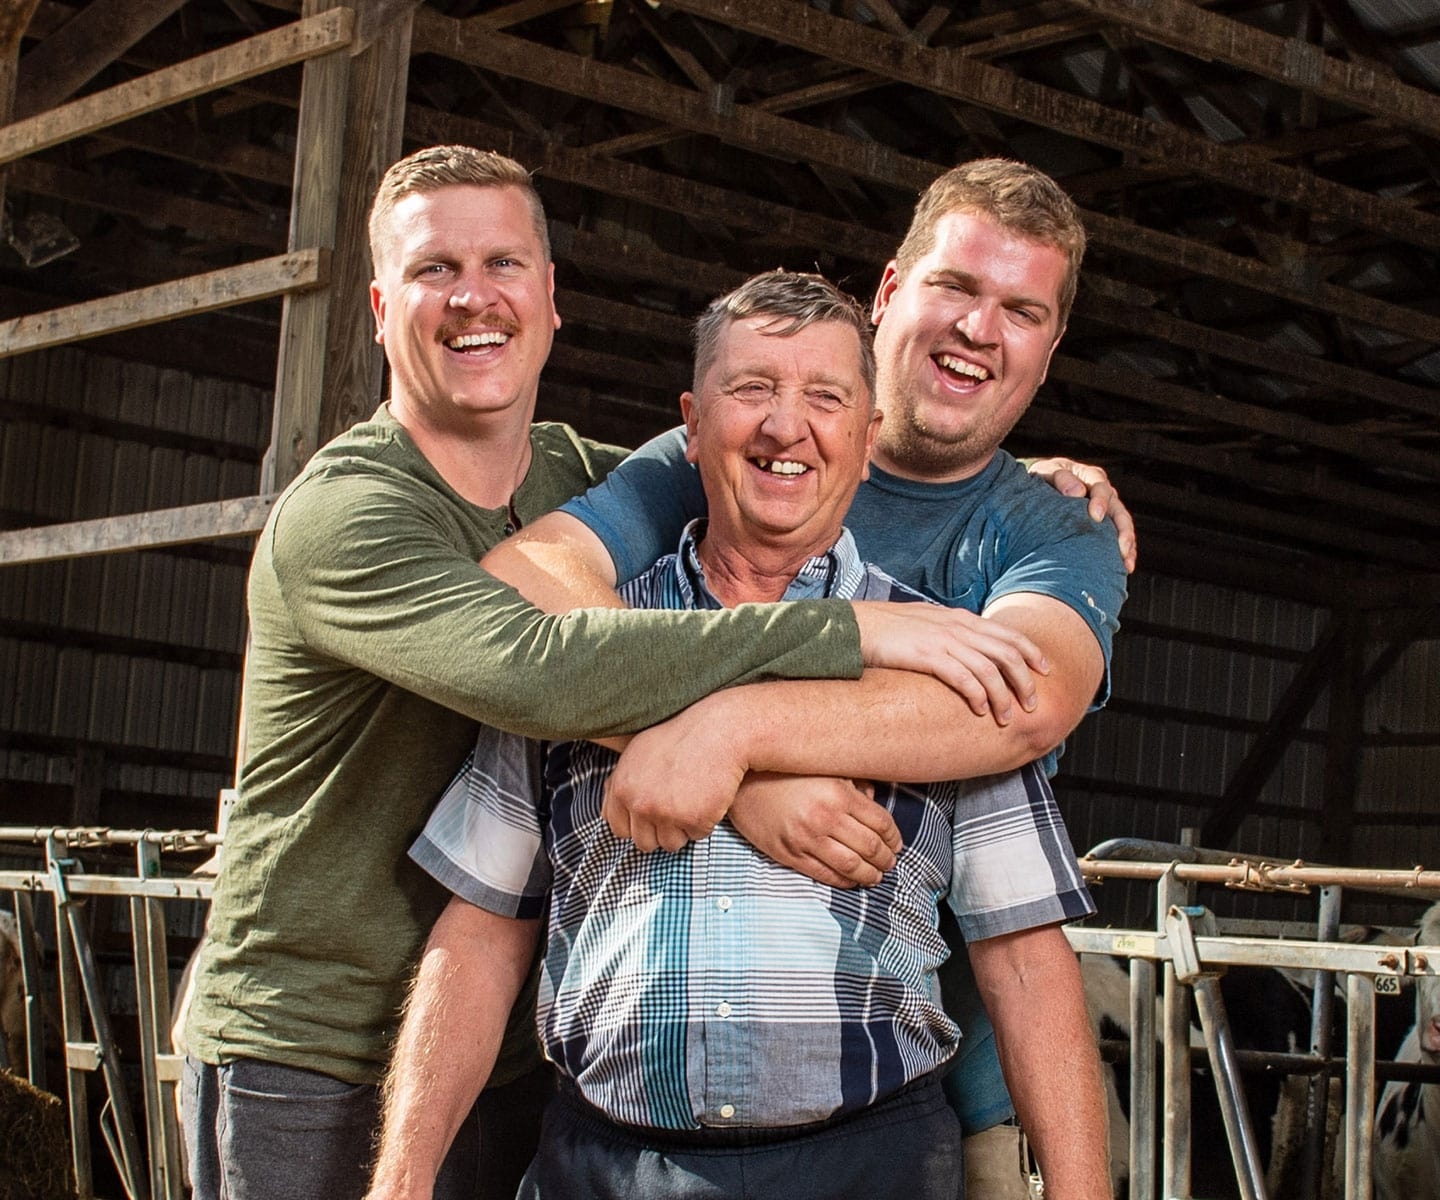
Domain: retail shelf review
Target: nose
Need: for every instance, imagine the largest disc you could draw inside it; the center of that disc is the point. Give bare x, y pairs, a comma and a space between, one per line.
785, 419
472, 292
978, 324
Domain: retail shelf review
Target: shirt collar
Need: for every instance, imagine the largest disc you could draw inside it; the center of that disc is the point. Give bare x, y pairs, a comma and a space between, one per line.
825, 576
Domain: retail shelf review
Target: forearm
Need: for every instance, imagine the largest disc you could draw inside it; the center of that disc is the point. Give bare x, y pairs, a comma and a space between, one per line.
893, 725
905, 726
472, 969
1033, 993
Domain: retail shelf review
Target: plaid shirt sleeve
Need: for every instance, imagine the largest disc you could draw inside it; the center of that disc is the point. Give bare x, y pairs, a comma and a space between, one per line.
1014, 866
485, 840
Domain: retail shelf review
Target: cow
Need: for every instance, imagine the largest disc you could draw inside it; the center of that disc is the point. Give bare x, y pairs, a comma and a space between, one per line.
12, 996
1407, 1125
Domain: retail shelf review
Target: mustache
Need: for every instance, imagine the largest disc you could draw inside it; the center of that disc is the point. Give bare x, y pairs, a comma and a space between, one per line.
484, 323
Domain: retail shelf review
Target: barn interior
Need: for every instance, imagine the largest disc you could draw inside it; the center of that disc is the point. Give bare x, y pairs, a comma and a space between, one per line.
1254, 355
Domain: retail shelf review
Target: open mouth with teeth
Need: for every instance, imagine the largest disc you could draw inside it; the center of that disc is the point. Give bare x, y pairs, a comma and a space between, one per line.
966, 373
477, 341
786, 467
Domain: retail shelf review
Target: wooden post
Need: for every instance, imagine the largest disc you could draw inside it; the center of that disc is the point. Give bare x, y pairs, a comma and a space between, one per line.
354, 369
352, 111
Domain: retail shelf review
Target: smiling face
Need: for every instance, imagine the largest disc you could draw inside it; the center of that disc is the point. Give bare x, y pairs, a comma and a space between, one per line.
463, 299
962, 342
781, 430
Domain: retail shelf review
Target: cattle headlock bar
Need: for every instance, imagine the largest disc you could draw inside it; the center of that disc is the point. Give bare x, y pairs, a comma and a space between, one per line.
1184, 948
1192, 951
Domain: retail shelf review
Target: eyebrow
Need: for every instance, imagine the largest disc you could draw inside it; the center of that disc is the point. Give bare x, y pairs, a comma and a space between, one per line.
970, 280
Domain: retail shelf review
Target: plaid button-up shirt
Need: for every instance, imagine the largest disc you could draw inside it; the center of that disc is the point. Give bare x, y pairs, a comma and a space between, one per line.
711, 986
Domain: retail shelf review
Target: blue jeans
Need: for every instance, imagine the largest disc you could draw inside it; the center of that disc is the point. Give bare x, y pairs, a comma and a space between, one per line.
260, 1131
905, 1148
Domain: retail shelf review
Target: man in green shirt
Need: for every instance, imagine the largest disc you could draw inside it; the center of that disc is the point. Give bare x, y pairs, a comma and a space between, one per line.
378, 643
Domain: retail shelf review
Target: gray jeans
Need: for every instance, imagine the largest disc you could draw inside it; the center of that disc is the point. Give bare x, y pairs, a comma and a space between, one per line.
259, 1131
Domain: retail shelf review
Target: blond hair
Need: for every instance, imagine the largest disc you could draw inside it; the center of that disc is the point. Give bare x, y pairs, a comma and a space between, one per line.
436, 167
1017, 197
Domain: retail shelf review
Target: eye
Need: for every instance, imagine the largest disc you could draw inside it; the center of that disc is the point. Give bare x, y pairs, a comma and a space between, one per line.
753, 389
826, 400
1027, 316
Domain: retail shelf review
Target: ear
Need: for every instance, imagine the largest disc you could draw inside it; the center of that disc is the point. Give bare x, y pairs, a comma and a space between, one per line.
690, 410
377, 307
550, 284
888, 283
872, 431
1045, 370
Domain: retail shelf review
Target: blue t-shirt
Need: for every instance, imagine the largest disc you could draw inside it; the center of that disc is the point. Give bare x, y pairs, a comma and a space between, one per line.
964, 544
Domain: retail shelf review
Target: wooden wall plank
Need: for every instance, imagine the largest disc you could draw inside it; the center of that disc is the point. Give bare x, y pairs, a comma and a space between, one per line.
136, 531
83, 47
229, 286
305, 39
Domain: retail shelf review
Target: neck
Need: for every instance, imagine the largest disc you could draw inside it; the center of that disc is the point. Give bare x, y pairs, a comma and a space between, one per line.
915, 464
752, 574
484, 463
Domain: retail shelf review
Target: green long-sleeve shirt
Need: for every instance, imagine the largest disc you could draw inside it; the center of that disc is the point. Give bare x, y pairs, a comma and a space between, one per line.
377, 643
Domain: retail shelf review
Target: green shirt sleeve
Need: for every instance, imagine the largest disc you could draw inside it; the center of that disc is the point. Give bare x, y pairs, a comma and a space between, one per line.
371, 579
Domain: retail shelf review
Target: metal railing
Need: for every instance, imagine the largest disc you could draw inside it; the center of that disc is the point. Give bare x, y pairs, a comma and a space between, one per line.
1186, 951
1191, 950
88, 1038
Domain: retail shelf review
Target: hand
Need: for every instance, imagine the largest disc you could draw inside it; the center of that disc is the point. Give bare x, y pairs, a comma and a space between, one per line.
1071, 478
829, 829
988, 663
676, 780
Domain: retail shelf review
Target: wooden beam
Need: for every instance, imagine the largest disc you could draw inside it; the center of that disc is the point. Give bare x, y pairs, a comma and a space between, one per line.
225, 288
135, 531
656, 188
1105, 301
374, 138
1212, 37
263, 230
304, 321
84, 46
1066, 428
963, 78
1299, 283
305, 39
1206, 512
766, 133
1207, 407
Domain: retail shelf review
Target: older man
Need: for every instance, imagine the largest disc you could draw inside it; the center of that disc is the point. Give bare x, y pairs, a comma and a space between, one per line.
967, 317
725, 1027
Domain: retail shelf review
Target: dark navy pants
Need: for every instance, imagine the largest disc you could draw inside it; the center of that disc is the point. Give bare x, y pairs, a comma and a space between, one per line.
906, 1148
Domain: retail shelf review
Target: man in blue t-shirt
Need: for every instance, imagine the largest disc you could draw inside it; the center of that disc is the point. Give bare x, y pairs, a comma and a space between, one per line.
967, 316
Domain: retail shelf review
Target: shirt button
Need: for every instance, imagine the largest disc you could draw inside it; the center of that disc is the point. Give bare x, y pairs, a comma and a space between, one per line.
723, 1008
509, 528
727, 1111
724, 903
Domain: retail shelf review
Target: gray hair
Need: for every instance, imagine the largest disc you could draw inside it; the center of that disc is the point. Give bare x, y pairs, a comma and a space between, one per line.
794, 299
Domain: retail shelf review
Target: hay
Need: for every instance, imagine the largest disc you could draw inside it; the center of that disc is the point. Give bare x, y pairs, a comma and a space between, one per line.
34, 1144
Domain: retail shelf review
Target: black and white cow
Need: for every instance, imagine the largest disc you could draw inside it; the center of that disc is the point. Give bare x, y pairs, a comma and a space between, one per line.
1407, 1122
